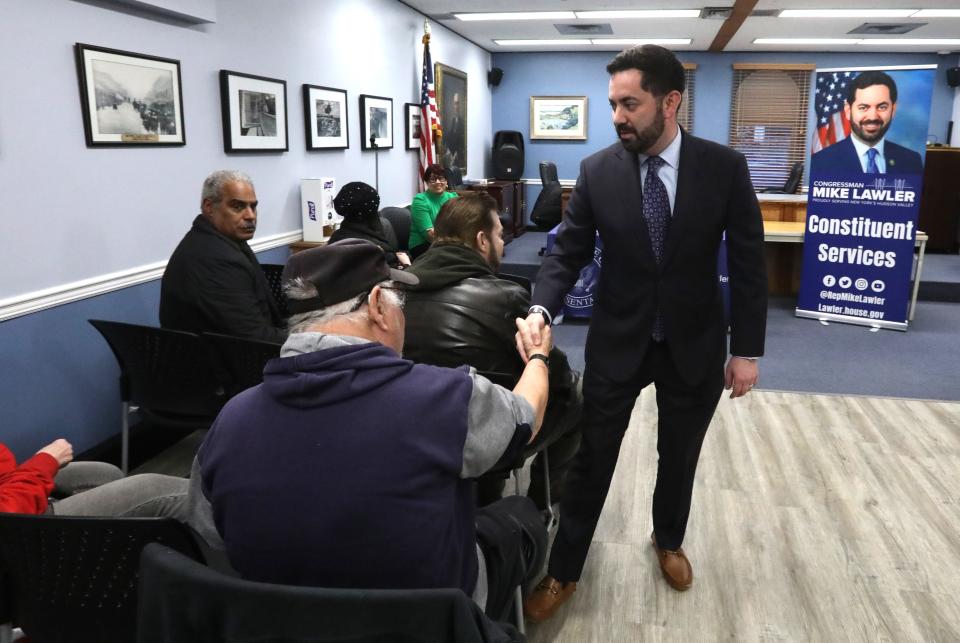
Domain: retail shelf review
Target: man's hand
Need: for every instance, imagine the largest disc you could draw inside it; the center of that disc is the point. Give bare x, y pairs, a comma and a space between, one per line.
529, 343
534, 326
741, 375
403, 258
60, 449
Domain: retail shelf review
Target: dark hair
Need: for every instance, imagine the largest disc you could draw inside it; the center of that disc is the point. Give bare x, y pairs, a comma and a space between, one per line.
868, 79
432, 170
662, 72
462, 218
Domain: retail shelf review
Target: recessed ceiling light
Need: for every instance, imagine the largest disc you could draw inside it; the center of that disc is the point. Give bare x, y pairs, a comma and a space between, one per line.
806, 41
846, 13
937, 13
518, 15
642, 41
892, 42
640, 13
545, 41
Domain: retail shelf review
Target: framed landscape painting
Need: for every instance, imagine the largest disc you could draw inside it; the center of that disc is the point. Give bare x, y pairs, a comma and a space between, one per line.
254, 111
452, 106
562, 118
376, 122
325, 111
129, 98
412, 125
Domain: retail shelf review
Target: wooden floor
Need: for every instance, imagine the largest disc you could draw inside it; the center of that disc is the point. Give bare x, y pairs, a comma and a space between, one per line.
815, 518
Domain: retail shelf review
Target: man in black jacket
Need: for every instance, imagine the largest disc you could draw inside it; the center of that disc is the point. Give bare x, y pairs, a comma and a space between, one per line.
462, 313
213, 282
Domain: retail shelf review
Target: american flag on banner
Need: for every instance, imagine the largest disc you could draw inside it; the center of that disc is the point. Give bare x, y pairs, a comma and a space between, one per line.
830, 97
429, 117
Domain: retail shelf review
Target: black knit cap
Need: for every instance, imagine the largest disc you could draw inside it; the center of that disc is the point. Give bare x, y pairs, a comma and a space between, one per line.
340, 271
356, 200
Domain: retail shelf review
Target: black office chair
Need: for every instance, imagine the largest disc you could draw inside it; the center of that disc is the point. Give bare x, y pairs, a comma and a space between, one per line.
182, 600
547, 211
274, 274
454, 177
792, 182
520, 280
74, 580
241, 359
167, 374
400, 221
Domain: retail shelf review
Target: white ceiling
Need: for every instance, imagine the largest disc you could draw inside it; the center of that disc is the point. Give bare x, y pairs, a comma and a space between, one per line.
701, 30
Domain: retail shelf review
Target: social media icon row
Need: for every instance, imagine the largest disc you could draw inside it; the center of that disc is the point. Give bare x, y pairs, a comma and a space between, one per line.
877, 285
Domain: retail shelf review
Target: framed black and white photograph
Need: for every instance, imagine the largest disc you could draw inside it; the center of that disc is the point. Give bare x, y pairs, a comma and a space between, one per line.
452, 106
412, 125
325, 111
376, 122
254, 113
129, 98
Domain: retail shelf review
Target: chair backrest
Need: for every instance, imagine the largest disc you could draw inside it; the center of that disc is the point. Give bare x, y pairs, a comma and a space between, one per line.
520, 280
454, 177
548, 173
793, 180
164, 371
274, 274
242, 359
73, 579
181, 600
400, 221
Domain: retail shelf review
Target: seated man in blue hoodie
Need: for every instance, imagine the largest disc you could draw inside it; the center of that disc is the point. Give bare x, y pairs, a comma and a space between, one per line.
353, 467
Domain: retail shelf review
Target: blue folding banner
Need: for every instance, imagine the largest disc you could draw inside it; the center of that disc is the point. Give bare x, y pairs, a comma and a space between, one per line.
866, 175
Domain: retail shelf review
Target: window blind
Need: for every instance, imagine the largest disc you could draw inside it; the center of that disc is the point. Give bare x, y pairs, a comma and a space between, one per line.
768, 118
685, 114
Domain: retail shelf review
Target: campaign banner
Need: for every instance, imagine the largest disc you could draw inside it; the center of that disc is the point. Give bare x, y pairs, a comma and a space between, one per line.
866, 175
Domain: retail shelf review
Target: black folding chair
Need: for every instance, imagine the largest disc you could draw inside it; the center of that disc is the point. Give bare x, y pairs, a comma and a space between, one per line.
274, 274
74, 580
242, 360
167, 374
181, 600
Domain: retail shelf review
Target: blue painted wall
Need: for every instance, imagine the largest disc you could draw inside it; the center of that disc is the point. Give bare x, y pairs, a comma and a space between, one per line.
577, 74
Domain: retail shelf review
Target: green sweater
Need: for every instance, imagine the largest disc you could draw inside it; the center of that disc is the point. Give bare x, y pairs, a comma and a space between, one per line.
423, 212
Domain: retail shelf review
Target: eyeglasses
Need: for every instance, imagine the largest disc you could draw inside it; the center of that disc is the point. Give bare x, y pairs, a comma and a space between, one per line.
437, 179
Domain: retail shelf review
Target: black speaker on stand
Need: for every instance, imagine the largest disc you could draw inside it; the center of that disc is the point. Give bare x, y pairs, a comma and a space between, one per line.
508, 155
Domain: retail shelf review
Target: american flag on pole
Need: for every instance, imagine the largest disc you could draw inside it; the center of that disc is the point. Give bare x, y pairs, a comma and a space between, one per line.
430, 129
830, 97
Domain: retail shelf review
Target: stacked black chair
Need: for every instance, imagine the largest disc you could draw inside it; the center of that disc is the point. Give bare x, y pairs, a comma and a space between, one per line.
167, 374
274, 274
241, 359
400, 221
74, 580
181, 600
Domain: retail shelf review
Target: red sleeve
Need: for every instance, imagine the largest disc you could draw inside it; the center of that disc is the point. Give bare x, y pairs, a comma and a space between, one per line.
25, 489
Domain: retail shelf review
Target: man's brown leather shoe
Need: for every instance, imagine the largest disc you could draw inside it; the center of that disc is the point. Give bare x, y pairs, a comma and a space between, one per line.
546, 598
675, 567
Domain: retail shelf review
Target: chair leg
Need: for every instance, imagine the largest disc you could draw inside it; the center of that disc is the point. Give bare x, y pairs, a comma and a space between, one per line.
552, 520
516, 482
125, 440
518, 608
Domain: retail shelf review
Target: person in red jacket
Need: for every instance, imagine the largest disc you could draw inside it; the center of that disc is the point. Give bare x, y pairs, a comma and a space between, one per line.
27, 487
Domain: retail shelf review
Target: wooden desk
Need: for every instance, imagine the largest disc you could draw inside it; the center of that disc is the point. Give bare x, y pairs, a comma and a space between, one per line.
298, 246
792, 232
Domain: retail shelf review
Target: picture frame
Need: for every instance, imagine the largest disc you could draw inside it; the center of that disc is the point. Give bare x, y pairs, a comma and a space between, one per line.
411, 123
326, 122
451, 85
558, 118
129, 99
254, 110
376, 120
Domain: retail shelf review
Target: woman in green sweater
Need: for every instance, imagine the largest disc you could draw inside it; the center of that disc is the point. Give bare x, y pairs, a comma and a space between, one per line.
425, 207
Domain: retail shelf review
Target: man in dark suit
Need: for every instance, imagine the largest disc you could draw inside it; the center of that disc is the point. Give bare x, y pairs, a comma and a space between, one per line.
871, 103
213, 281
661, 200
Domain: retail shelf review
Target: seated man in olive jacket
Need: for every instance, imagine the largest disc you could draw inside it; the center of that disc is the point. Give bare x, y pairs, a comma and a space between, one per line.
462, 313
213, 282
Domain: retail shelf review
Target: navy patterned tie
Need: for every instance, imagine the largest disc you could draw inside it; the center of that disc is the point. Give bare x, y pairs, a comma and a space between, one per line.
872, 167
656, 210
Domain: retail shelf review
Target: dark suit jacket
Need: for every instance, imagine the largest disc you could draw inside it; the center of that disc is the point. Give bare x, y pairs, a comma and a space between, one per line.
842, 157
215, 284
714, 194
